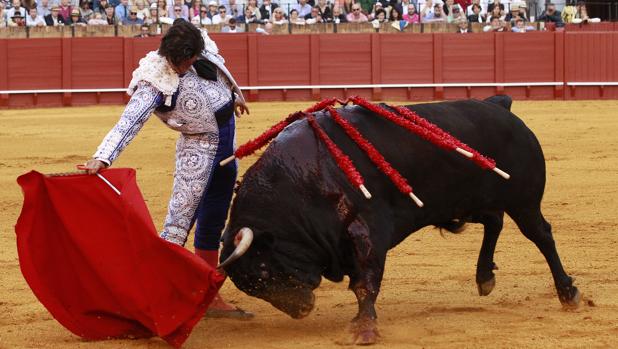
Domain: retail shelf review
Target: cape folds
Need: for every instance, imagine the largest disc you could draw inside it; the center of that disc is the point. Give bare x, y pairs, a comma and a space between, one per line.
94, 260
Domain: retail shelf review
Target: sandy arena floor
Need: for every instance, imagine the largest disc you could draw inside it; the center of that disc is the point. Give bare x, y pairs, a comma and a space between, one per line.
428, 298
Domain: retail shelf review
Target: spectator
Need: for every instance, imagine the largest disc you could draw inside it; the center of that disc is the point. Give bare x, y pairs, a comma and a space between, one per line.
122, 10
233, 9
403, 6
65, 11
457, 15
551, 15
338, 17
314, 17
412, 16
435, 16
43, 7
110, 16
97, 19
17, 8
374, 10
203, 17
194, 9
581, 15
184, 10
256, 9
221, 17
521, 27
495, 25
231, 27
76, 18
463, 5
17, 20
495, 12
380, 15
132, 19
102, 4
427, 10
84, 10
162, 8
3, 21
463, 27
249, 16
476, 16
267, 30
356, 16
325, 11
278, 17
33, 19
449, 8
294, 19
54, 18
470, 9
497, 3
347, 6
177, 11
212, 9
266, 10
142, 12
518, 10
395, 15
303, 8
144, 32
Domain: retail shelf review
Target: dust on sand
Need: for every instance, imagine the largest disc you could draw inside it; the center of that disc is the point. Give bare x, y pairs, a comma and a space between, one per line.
428, 297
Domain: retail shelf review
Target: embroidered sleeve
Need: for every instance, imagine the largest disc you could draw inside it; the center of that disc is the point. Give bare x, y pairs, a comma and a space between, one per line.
143, 102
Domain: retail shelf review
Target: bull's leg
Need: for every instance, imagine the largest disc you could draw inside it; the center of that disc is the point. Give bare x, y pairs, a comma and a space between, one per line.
485, 278
365, 282
538, 230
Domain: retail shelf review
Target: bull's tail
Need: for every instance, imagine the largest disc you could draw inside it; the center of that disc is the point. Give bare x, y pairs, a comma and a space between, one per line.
502, 100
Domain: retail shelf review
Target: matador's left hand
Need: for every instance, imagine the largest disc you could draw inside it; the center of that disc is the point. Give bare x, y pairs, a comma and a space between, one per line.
240, 108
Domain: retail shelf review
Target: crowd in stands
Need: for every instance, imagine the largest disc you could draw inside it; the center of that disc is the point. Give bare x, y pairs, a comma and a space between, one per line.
496, 16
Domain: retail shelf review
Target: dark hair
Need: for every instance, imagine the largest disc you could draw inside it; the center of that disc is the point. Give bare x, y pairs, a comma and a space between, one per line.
181, 42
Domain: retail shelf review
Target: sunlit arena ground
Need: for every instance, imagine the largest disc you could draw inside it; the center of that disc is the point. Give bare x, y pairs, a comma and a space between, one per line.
429, 297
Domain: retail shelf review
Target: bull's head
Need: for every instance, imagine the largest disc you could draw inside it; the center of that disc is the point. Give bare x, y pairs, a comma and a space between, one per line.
271, 270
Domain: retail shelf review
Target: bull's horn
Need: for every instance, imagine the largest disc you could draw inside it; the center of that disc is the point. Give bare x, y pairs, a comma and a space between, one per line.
246, 237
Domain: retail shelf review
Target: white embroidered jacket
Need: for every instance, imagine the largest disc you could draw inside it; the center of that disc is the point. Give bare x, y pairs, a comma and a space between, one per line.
154, 83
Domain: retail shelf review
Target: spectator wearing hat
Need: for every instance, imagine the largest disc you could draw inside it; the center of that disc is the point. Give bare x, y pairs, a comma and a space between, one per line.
518, 10
76, 18
184, 10
221, 17
551, 15
266, 10
212, 9
132, 19
53, 19
356, 16
122, 10
303, 8
153, 16
33, 19
17, 20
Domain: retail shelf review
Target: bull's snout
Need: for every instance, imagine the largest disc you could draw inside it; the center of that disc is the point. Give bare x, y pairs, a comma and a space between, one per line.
297, 305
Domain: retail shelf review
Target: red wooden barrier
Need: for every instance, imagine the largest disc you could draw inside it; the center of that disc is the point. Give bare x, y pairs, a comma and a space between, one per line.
353, 62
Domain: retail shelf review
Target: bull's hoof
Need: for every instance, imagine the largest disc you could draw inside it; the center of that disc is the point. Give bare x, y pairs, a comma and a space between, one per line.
573, 302
486, 287
364, 331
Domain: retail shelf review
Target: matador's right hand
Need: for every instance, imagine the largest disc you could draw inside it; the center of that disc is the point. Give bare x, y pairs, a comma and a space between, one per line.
93, 166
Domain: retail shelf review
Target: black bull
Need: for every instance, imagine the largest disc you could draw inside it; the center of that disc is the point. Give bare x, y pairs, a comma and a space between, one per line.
309, 222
